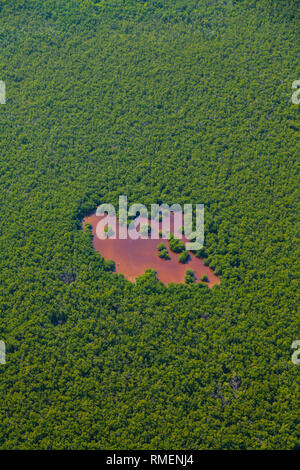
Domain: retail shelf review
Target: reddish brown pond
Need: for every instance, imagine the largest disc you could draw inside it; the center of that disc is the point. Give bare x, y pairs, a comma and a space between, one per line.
133, 257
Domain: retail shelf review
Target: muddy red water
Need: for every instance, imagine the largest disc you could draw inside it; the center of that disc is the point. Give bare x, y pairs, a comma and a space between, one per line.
133, 257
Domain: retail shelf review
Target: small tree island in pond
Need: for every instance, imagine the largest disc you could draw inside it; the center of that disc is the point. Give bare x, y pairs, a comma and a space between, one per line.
183, 257
177, 246
163, 251
189, 276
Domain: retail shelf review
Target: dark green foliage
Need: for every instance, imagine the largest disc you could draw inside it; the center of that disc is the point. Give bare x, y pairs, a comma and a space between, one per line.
204, 278
148, 284
163, 251
164, 254
189, 276
161, 247
88, 230
175, 102
201, 253
109, 265
176, 245
183, 257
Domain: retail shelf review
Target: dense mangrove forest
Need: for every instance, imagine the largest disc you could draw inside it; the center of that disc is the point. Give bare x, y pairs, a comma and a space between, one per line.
182, 101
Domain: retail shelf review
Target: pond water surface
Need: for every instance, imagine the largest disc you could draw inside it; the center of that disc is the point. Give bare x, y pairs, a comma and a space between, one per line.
133, 257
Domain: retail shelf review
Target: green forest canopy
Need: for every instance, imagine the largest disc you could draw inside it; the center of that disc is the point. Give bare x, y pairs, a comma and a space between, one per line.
170, 101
